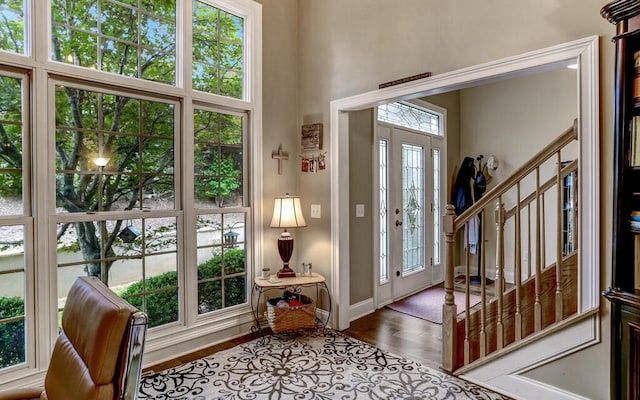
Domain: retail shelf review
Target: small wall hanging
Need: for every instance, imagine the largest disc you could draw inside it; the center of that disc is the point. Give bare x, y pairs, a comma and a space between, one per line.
313, 163
312, 160
311, 139
280, 156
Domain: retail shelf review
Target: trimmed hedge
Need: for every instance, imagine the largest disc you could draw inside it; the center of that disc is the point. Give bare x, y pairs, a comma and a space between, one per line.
161, 306
12, 339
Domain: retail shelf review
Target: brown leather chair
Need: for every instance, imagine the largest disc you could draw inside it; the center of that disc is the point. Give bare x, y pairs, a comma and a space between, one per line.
98, 354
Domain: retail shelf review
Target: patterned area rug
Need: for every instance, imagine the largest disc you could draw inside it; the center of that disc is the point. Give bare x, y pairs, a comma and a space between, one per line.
310, 365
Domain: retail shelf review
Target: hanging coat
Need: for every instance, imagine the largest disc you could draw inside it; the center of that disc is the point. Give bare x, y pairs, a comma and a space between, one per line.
463, 196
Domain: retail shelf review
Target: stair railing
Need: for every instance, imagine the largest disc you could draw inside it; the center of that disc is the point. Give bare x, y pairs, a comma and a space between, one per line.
500, 319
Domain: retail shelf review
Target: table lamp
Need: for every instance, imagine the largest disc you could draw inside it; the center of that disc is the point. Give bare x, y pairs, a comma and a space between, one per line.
287, 213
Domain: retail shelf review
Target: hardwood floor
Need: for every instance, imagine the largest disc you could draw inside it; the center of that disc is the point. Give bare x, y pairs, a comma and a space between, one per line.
410, 337
392, 331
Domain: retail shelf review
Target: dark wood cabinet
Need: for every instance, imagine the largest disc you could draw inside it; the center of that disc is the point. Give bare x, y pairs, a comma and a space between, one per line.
624, 293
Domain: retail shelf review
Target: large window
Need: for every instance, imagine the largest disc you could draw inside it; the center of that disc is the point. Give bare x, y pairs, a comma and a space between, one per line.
118, 156
125, 173
15, 221
218, 171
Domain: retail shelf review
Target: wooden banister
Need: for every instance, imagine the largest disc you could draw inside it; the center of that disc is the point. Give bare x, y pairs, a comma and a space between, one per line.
511, 314
527, 168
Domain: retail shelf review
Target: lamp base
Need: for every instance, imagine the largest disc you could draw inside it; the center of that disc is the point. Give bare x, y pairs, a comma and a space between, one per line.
286, 272
285, 248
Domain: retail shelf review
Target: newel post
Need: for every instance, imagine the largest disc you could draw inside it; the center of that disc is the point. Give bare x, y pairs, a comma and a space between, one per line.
449, 311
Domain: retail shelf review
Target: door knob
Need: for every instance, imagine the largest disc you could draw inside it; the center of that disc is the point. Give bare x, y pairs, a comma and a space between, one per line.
398, 223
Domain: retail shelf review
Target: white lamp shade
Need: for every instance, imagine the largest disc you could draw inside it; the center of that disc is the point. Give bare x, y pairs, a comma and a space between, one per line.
287, 213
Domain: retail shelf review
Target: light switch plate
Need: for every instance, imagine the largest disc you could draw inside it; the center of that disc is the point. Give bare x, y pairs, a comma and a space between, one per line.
359, 210
315, 211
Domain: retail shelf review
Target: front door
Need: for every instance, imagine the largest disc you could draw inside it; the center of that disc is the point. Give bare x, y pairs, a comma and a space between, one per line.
410, 203
409, 198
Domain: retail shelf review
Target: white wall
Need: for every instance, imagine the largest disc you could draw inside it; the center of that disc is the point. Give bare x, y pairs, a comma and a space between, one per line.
350, 46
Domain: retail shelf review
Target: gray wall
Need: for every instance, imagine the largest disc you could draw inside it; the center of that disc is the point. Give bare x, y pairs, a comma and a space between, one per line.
318, 51
349, 47
513, 120
280, 123
360, 187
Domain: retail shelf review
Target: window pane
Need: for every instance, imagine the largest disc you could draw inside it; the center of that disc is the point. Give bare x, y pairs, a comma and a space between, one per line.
413, 206
139, 156
218, 159
384, 211
12, 27
437, 232
13, 333
218, 51
222, 269
410, 116
137, 258
124, 38
12, 296
11, 146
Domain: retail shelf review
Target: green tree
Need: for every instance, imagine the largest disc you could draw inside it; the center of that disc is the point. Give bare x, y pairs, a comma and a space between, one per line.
136, 39
12, 26
10, 137
137, 135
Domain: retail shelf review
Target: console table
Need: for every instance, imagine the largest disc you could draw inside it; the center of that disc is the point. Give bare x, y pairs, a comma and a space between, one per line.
293, 285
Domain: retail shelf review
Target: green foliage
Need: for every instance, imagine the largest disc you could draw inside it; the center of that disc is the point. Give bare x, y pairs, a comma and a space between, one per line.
138, 40
217, 65
11, 137
161, 303
71, 248
233, 264
217, 155
210, 291
162, 306
227, 180
12, 26
137, 135
12, 336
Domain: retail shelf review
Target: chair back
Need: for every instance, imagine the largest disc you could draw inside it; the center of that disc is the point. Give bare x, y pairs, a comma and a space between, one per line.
98, 354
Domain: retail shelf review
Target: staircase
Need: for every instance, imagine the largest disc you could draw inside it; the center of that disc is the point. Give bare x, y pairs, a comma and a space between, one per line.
531, 240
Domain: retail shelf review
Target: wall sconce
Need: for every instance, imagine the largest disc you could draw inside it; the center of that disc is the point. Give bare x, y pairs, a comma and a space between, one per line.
287, 213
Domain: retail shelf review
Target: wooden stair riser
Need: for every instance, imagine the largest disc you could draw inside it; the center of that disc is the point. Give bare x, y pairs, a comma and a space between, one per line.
527, 306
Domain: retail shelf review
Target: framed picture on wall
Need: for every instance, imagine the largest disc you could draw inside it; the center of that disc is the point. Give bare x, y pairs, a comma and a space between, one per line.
311, 139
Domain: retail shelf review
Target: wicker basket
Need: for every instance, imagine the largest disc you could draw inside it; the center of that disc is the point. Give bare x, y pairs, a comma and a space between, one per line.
282, 319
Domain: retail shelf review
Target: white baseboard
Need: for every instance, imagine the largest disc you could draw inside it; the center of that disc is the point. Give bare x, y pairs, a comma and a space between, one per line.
520, 387
361, 309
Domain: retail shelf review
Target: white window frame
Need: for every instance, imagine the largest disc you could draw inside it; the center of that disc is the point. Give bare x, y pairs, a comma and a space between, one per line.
164, 342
